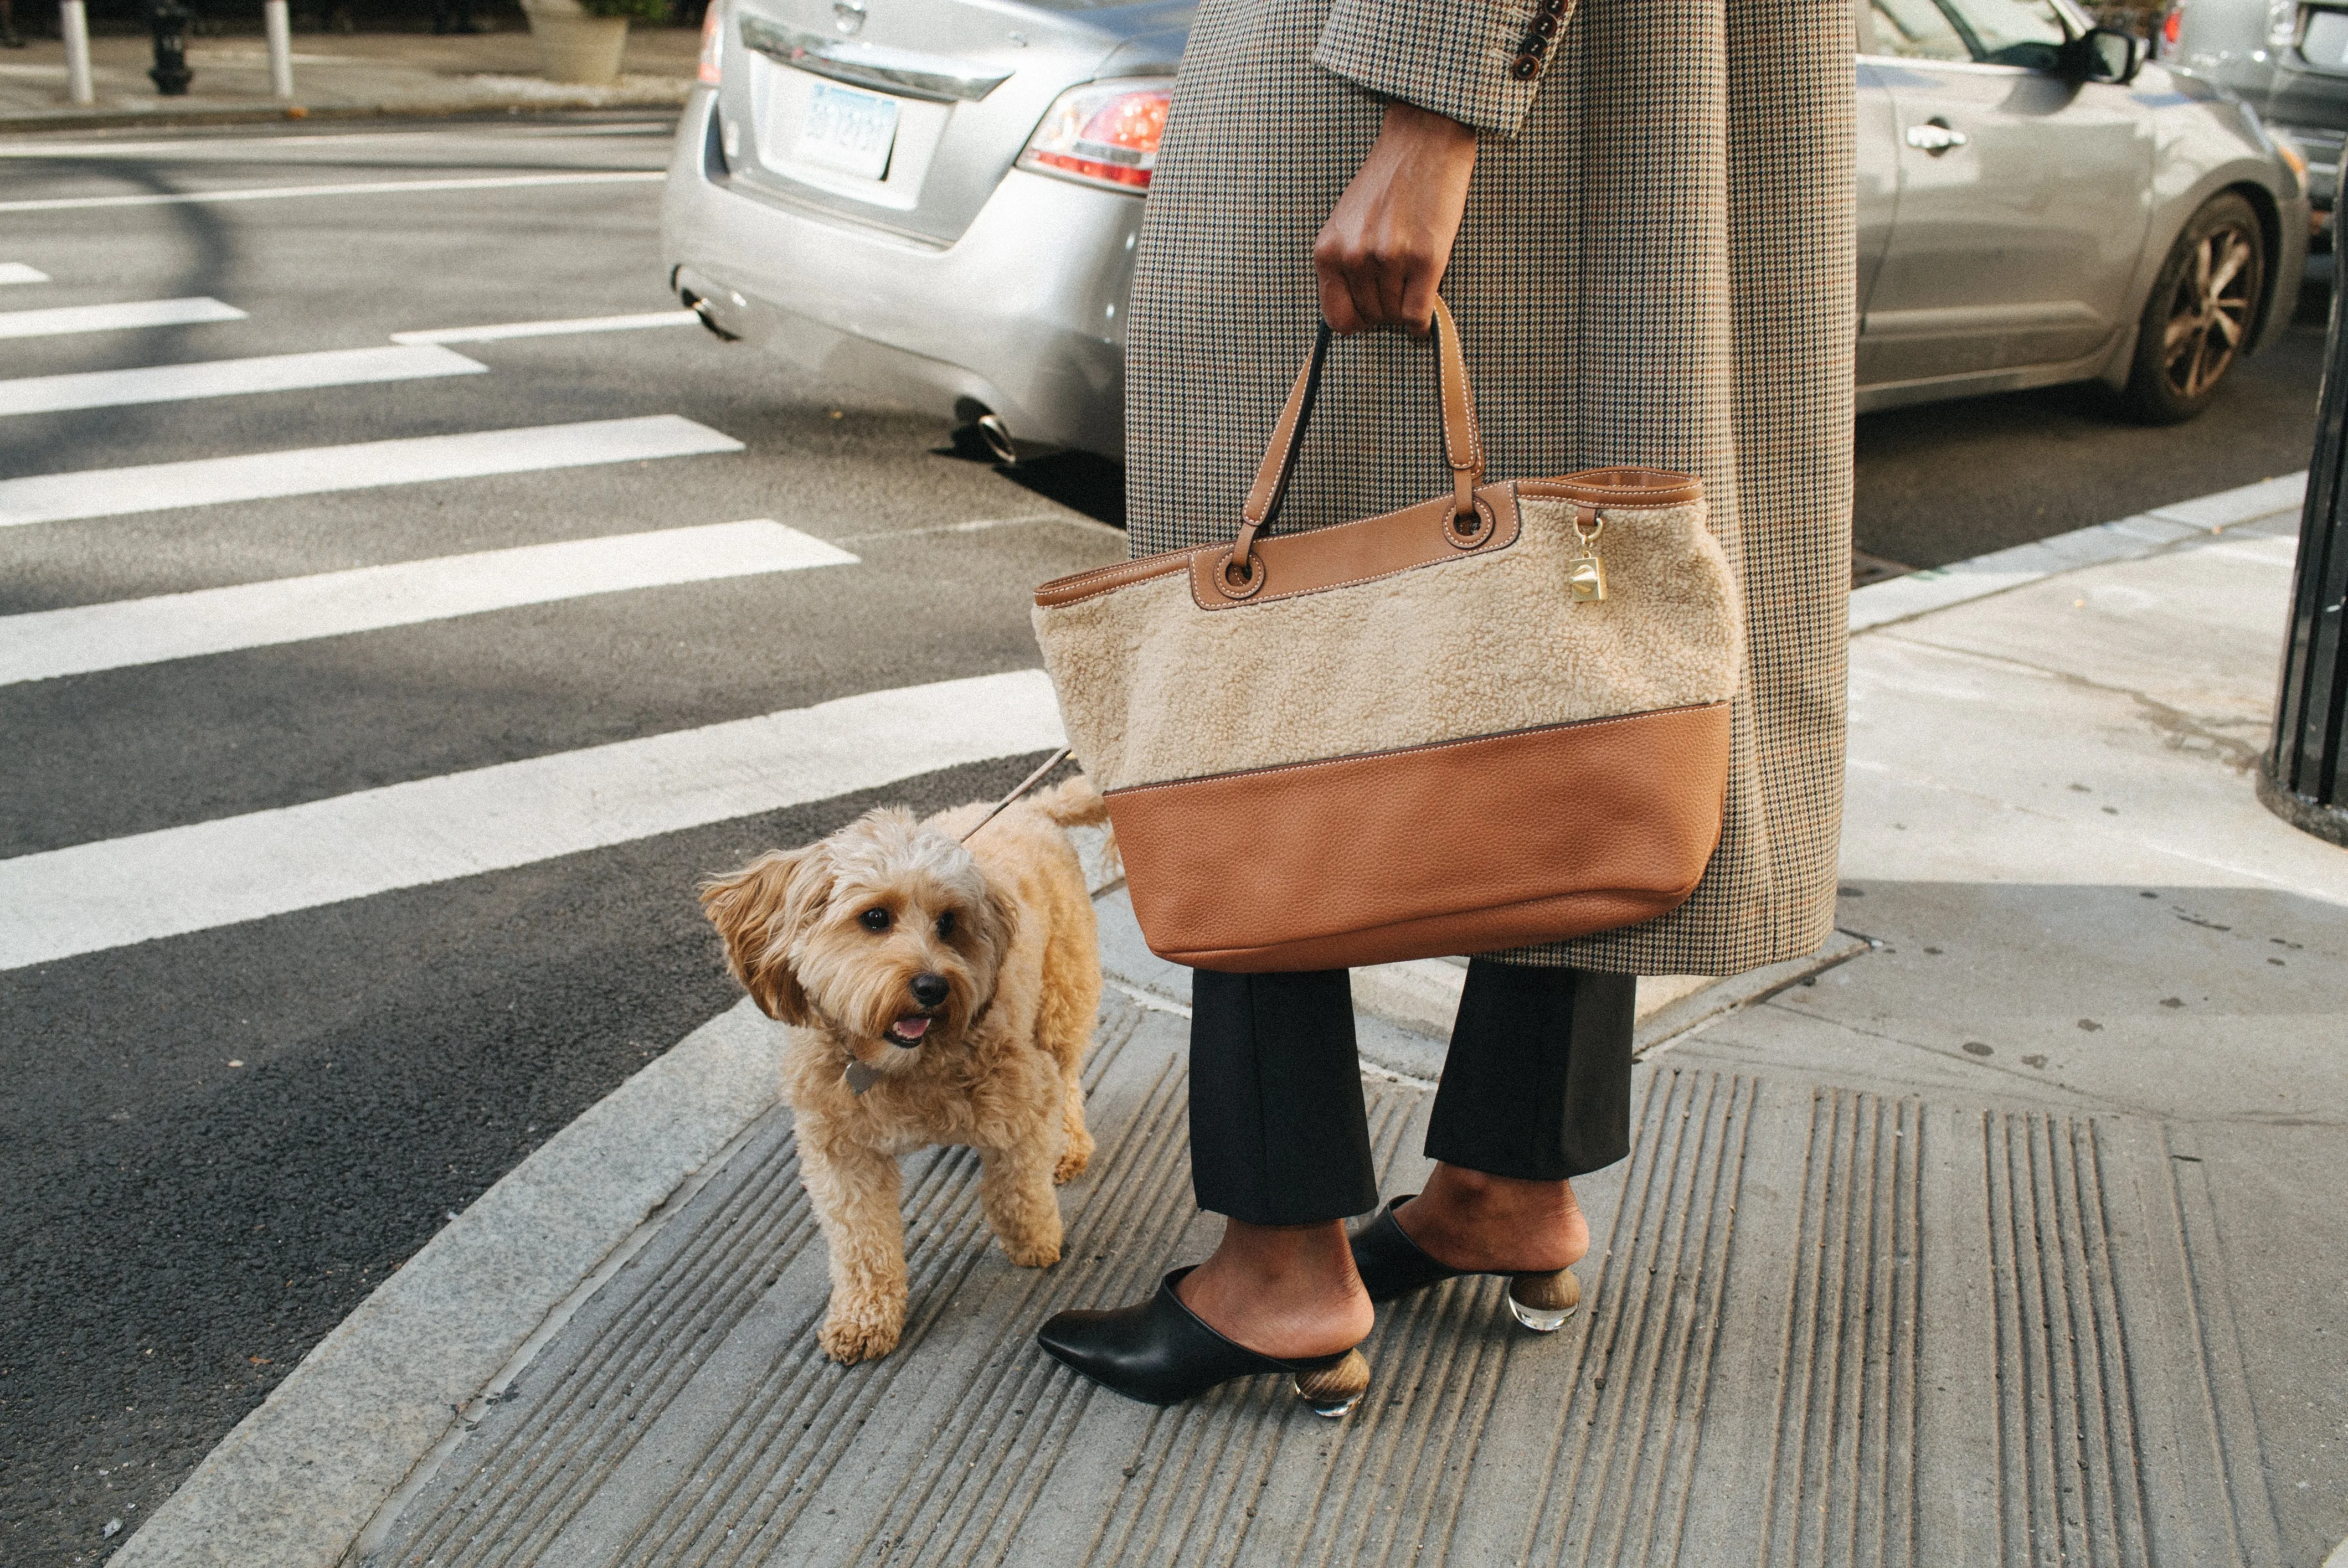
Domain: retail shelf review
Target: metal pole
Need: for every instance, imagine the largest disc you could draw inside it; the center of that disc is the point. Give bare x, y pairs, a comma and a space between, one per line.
279, 25
73, 21
2301, 777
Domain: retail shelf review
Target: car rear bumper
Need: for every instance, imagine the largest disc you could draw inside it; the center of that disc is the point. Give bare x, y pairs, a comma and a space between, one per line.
1024, 314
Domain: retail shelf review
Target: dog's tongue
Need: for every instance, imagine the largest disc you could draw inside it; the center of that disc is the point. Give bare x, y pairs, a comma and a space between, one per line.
912, 1027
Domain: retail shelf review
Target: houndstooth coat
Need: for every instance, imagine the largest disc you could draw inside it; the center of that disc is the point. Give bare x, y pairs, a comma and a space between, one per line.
1656, 270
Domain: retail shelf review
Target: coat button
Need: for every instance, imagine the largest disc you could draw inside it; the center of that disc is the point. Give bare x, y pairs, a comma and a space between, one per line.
1525, 68
1543, 27
1550, 7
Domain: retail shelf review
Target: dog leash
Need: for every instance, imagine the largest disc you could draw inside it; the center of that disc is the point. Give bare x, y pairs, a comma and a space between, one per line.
861, 1077
1022, 787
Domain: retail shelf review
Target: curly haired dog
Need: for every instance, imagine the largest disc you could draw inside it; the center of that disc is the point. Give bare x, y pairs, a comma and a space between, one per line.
939, 994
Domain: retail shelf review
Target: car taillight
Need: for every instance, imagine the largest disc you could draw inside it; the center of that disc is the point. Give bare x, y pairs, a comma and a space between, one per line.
1104, 133
2172, 26
712, 36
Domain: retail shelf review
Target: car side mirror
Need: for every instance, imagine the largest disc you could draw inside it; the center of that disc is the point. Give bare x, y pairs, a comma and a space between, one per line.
2102, 54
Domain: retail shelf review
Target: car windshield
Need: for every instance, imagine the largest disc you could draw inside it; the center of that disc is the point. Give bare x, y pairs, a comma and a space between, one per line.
1993, 32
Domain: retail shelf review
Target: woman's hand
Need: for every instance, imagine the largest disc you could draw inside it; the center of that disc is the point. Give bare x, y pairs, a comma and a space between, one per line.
1387, 243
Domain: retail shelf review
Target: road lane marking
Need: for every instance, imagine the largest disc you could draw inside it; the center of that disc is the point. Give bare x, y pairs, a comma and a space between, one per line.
59, 319
550, 329
45, 644
115, 892
362, 466
365, 188
249, 148
17, 272
48, 644
229, 378
981, 525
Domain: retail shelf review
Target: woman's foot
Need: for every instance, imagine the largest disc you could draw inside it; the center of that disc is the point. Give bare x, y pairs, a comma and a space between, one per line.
1284, 1291
1496, 1224
1162, 1352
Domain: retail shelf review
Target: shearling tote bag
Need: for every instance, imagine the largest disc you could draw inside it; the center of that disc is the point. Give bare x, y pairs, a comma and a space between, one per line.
1497, 718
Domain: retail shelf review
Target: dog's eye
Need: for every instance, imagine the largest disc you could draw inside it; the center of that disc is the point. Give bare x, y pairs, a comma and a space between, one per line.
946, 926
874, 919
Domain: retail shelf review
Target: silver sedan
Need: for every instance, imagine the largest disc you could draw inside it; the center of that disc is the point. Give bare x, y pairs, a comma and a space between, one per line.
934, 203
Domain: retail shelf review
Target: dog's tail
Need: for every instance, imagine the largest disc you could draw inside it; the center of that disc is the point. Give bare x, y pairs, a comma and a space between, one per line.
1075, 804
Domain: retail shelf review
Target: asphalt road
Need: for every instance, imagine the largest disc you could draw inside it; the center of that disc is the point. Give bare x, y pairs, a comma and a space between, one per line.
1946, 481
217, 1142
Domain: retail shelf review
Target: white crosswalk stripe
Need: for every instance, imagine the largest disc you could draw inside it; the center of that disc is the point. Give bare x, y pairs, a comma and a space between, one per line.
329, 149
50, 643
551, 329
19, 273
58, 320
362, 188
367, 465
95, 896
229, 378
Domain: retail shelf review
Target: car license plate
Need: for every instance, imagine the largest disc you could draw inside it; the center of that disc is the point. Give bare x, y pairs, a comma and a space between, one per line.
851, 131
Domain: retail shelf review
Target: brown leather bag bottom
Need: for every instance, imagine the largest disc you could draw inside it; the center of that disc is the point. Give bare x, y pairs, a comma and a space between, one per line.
1558, 831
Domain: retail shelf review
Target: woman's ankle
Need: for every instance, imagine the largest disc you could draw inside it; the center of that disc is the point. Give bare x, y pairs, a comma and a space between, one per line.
1496, 1224
1288, 1291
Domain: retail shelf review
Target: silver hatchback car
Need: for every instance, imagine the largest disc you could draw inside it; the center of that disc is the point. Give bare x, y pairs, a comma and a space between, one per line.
935, 202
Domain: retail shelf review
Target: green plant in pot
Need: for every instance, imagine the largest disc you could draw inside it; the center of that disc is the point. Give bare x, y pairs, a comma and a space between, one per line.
580, 41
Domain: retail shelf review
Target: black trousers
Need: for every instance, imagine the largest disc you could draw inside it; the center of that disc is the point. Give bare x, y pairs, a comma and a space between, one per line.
1537, 1085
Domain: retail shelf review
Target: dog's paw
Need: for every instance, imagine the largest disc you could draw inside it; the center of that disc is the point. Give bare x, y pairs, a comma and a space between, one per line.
1033, 1254
1072, 1163
849, 1340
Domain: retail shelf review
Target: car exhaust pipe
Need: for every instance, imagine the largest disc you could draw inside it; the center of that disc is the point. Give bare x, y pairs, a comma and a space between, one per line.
997, 437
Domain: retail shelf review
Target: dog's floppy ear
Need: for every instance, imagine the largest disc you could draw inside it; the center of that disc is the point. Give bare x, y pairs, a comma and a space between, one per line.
761, 911
998, 921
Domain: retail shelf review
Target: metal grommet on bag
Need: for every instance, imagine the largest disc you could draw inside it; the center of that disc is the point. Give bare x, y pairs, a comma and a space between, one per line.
1235, 582
1466, 533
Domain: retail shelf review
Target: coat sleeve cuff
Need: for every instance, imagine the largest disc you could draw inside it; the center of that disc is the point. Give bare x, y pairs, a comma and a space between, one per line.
1474, 61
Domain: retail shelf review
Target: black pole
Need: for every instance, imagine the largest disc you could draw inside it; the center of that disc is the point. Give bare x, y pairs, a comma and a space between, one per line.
2300, 777
170, 73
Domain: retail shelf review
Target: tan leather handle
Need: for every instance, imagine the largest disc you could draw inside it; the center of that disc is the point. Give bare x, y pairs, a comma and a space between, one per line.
1463, 444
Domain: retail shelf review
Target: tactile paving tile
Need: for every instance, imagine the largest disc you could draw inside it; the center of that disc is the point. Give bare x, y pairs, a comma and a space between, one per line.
1821, 1326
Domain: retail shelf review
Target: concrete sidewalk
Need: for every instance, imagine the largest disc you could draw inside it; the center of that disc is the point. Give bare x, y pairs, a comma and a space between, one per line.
336, 76
2007, 1230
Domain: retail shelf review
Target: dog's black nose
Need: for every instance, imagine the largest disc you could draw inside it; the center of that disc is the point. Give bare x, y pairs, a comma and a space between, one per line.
929, 990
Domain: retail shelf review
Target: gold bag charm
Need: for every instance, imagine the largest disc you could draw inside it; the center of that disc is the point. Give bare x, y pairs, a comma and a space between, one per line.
1585, 578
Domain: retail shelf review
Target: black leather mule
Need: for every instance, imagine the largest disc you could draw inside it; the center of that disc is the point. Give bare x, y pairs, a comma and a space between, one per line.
1392, 1264
1162, 1352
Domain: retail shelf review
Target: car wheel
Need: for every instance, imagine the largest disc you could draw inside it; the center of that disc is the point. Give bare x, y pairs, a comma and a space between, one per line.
2199, 318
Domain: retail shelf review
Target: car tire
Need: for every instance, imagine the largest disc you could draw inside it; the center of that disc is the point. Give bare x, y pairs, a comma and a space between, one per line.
2203, 308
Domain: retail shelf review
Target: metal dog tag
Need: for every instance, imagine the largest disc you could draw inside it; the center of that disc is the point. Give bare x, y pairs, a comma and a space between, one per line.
862, 1078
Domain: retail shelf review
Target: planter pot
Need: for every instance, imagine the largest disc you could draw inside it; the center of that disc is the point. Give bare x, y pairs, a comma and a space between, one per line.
579, 49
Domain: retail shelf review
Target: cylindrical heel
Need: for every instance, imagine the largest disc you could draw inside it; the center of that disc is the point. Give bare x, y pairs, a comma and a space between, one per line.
1334, 1389
1542, 1302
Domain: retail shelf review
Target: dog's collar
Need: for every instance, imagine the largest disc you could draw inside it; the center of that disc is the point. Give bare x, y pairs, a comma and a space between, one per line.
861, 1077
